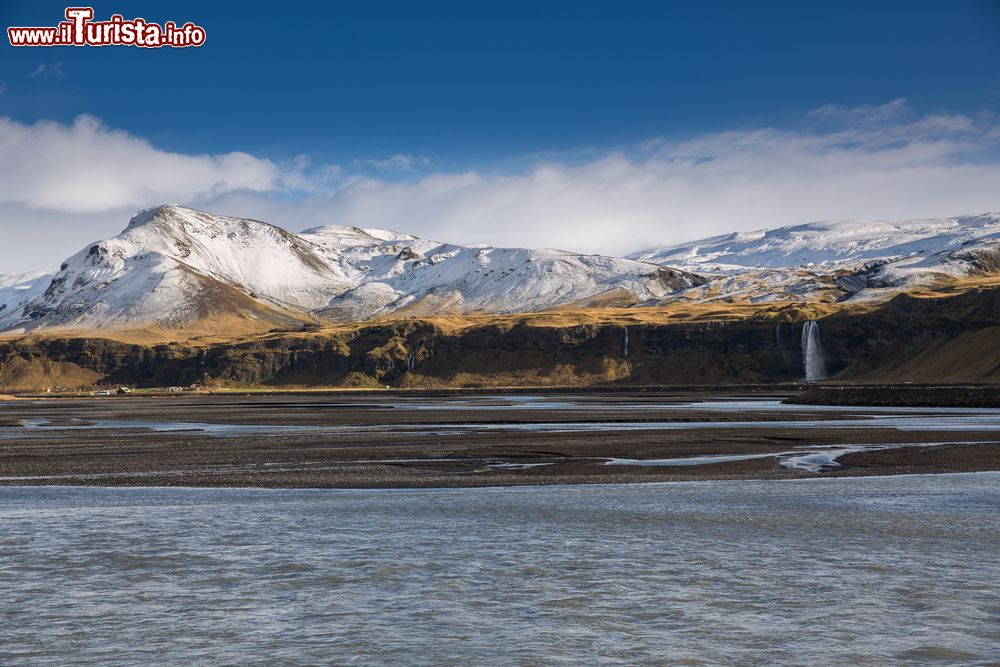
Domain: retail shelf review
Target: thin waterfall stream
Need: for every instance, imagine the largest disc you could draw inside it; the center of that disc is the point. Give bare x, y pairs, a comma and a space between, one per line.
812, 352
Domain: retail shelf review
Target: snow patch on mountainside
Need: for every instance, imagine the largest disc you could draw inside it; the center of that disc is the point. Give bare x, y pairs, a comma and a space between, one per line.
837, 260
821, 243
16, 291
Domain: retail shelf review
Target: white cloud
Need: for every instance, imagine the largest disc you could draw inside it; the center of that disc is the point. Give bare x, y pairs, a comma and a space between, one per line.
399, 162
87, 167
863, 113
873, 163
665, 191
670, 191
45, 71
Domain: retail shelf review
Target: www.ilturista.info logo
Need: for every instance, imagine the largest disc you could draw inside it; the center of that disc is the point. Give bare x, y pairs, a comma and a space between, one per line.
79, 29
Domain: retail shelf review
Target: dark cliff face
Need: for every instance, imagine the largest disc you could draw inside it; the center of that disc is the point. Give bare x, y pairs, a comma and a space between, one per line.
910, 338
419, 354
416, 353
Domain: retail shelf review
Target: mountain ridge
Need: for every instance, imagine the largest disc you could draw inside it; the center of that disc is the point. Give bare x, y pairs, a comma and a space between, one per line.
176, 269
840, 260
174, 266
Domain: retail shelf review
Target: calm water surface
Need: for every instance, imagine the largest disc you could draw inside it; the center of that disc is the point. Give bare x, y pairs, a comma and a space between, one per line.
870, 571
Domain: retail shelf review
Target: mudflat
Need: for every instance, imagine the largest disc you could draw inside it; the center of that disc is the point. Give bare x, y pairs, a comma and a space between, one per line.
434, 440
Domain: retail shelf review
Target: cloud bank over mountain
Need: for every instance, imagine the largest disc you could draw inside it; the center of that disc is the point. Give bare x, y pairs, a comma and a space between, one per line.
68, 184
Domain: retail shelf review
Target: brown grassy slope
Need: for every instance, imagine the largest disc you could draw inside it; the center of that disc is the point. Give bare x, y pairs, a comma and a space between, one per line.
24, 374
973, 356
949, 335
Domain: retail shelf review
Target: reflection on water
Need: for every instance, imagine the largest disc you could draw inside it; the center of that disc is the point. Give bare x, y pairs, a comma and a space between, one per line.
837, 571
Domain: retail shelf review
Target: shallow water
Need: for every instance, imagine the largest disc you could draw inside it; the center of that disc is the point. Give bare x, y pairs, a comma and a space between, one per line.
903, 419
871, 571
812, 458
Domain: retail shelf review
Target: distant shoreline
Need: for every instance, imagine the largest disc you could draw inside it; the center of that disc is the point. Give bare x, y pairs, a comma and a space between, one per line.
962, 395
973, 395
729, 389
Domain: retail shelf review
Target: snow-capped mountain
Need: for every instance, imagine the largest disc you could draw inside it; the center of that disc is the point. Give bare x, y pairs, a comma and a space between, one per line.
173, 266
837, 260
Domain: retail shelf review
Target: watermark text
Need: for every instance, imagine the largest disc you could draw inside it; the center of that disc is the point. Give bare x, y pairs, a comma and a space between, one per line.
80, 29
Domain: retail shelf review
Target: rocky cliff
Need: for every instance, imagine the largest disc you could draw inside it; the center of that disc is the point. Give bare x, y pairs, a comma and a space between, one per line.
950, 339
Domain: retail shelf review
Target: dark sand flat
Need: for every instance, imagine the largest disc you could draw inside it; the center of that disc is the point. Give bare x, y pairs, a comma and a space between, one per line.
432, 441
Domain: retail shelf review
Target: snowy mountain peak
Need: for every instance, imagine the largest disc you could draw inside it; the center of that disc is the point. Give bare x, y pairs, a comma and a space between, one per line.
344, 235
156, 213
183, 223
173, 266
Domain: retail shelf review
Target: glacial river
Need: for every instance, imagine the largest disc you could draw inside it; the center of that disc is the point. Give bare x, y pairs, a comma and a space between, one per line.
869, 571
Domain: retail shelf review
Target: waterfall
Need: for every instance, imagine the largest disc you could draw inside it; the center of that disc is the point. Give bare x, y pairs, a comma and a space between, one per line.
626, 342
410, 360
812, 352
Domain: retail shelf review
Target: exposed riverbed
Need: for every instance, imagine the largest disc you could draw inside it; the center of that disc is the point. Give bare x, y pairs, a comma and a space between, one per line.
477, 440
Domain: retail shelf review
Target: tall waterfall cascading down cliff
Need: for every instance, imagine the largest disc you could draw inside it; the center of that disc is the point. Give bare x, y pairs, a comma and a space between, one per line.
812, 352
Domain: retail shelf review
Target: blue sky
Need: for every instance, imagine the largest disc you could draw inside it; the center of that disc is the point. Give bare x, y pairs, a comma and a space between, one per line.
365, 112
